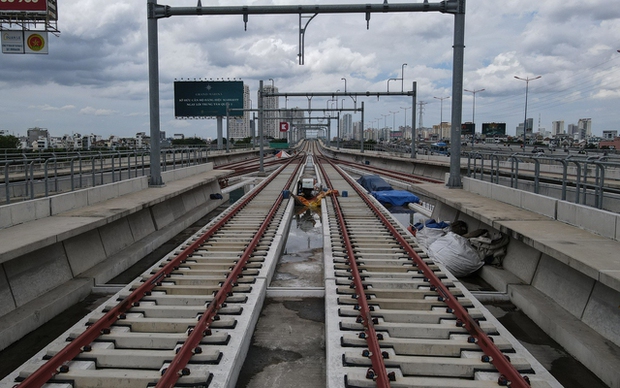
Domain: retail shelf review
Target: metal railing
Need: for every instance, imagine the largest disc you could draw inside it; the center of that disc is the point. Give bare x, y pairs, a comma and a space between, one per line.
586, 180
35, 175
591, 179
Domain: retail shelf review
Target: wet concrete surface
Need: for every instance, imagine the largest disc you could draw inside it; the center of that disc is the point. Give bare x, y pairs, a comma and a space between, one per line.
288, 345
301, 264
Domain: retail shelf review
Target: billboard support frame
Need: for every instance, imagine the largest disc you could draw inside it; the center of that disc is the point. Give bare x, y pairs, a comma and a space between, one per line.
26, 20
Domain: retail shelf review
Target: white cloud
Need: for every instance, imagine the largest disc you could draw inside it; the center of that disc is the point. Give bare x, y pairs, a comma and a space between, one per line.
100, 60
90, 111
47, 107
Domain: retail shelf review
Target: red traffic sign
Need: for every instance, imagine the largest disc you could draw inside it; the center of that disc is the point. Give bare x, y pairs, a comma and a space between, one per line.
283, 126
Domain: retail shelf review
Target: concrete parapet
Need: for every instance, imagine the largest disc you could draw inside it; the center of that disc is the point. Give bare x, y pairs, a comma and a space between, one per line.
84, 251
37, 273
582, 342
176, 174
40, 310
477, 186
103, 192
141, 224
569, 288
539, 204
116, 236
521, 260
602, 312
506, 194
25, 211
601, 222
7, 303
68, 201
5, 217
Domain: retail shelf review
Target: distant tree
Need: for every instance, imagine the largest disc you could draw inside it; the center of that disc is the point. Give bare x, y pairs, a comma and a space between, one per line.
189, 141
9, 141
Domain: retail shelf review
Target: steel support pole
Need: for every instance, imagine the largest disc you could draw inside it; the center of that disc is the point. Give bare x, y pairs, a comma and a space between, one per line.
261, 168
227, 131
219, 132
362, 128
153, 58
414, 87
457, 97
329, 132
338, 130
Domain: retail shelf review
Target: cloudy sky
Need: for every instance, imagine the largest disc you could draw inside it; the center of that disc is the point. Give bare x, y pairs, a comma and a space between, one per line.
95, 78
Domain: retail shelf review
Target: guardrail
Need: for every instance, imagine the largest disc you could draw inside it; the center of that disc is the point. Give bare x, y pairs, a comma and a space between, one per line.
30, 176
586, 180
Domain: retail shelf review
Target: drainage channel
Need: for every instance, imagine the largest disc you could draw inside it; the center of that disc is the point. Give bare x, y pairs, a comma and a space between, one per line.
288, 345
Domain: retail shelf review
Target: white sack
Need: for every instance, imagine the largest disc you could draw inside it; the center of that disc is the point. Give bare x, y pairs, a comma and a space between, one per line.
456, 254
426, 236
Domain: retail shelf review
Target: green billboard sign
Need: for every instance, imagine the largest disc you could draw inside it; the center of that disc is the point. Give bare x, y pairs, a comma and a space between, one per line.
202, 99
494, 129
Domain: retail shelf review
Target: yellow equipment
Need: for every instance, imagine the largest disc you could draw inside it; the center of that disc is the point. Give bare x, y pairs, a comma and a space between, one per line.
315, 201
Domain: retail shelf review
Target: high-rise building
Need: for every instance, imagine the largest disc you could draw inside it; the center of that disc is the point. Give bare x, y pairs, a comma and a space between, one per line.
346, 126
530, 124
557, 127
572, 129
297, 120
357, 130
271, 125
585, 128
239, 126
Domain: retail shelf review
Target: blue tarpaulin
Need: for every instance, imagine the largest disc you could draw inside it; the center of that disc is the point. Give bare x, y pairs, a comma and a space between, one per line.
395, 197
374, 183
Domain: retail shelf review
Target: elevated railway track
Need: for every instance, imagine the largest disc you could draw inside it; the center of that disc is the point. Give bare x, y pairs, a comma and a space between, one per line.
393, 317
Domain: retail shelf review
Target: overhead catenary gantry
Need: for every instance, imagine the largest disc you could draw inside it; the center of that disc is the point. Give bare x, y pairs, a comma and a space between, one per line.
455, 7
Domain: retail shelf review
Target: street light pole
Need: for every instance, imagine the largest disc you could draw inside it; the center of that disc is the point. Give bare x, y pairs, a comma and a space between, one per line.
345, 84
405, 108
402, 77
473, 114
441, 114
527, 83
393, 121
384, 123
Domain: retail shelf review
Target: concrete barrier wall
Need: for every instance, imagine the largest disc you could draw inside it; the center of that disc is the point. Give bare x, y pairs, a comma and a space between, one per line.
18, 213
601, 222
69, 268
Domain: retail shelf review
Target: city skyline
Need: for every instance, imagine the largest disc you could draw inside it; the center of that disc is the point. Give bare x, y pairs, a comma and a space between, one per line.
95, 79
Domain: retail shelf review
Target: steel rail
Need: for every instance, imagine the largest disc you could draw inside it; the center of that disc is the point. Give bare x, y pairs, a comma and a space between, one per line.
376, 356
178, 366
496, 357
58, 363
